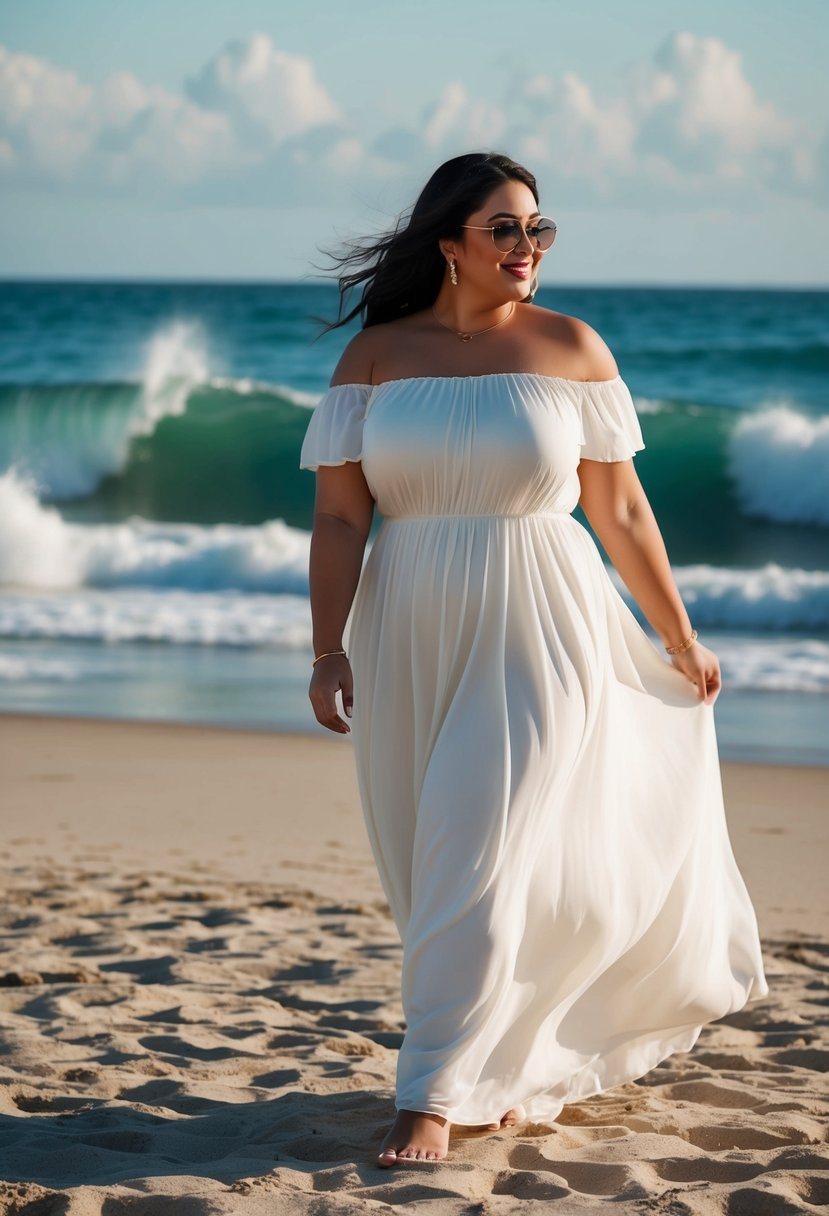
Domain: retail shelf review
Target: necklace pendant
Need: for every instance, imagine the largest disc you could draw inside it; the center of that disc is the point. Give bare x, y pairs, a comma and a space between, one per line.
466, 336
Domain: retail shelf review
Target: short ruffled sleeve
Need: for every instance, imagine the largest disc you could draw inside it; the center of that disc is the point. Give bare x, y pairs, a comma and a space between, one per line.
335, 428
610, 426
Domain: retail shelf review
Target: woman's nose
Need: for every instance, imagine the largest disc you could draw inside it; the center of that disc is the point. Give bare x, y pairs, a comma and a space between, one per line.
525, 245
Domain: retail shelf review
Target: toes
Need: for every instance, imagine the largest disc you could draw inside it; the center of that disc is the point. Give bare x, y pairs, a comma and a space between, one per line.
409, 1154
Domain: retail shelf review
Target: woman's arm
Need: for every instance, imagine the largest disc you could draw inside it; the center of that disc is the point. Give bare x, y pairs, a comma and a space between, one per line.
617, 508
343, 512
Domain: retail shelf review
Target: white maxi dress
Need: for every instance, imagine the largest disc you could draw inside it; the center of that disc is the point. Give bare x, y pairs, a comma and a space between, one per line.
541, 787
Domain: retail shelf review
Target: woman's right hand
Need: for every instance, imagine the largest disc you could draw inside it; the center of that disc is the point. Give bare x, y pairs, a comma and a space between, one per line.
702, 667
330, 674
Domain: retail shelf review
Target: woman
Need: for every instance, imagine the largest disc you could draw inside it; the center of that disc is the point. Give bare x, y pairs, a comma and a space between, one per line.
541, 787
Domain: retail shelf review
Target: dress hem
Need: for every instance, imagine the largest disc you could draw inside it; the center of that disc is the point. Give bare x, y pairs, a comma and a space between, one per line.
536, 1107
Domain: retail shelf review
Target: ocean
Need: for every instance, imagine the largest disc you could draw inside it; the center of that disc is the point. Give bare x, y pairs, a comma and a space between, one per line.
154, 523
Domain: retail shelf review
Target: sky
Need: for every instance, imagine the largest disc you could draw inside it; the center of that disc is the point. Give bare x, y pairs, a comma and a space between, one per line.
202, 140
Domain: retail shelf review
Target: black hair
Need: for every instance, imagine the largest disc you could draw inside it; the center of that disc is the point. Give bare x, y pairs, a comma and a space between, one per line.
402, 270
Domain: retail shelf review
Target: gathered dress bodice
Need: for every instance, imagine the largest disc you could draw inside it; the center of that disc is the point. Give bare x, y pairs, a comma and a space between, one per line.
505, 444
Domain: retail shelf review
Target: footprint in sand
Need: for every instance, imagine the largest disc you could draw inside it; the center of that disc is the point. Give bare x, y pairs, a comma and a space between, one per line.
528, 1184
588, 1177
705, 1169
714, 1138
714, 1094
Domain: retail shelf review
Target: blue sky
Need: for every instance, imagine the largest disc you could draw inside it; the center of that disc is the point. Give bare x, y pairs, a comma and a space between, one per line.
216, 141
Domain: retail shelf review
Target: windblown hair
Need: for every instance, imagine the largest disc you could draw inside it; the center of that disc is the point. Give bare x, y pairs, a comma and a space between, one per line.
402, 270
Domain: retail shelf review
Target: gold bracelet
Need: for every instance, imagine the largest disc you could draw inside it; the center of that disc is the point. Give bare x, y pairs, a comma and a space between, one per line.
325, 656
683, 645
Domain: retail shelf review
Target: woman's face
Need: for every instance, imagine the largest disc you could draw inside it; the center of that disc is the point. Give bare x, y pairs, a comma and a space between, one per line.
495, 275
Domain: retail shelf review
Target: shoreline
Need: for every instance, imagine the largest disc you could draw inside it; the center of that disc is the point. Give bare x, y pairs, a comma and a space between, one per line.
744, 722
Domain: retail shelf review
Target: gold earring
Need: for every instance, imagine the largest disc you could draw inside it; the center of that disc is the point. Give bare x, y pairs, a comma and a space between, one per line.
453, 274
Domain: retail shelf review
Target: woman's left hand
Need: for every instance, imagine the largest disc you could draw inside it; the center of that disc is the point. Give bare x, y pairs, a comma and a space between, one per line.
702, 667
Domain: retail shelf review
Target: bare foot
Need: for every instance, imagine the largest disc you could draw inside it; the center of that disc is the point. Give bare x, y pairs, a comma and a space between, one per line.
415, 1136
507, 1120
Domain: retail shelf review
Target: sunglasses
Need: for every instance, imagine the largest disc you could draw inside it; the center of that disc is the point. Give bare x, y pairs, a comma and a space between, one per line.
507, 235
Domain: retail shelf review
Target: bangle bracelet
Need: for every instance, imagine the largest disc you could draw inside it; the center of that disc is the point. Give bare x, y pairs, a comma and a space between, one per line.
683, 645
325, 656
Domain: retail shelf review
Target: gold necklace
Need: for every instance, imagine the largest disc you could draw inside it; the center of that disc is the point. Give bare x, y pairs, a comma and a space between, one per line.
466, 337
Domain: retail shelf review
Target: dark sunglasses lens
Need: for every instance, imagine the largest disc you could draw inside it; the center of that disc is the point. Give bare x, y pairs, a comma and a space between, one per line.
506, 236
545, 233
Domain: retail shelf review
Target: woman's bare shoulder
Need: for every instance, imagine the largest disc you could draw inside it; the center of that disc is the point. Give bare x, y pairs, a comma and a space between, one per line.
356, 363
366, 348
586, 349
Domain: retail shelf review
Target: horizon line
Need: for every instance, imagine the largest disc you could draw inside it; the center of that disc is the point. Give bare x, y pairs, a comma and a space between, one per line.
183, 281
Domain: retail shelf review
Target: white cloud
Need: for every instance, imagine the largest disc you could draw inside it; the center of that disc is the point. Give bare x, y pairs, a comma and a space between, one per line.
256, 124
56, 130
458, 122
168, 137
442, 117
263, 89
345, 155
33, 94
249, 101
563, 126
122, 97
695, 109
713, 97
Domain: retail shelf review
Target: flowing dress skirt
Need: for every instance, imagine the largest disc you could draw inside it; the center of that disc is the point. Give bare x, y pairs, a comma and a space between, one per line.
541, 787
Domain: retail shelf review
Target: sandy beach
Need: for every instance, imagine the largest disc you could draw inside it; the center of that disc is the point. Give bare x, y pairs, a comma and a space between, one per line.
200, 1005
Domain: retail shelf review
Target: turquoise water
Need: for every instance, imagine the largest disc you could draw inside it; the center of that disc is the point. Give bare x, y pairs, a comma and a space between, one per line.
154, 523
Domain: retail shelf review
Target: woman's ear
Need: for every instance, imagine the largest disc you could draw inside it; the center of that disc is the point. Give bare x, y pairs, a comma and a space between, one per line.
447, 248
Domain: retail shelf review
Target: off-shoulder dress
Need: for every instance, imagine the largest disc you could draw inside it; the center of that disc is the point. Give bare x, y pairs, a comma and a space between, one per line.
541, 787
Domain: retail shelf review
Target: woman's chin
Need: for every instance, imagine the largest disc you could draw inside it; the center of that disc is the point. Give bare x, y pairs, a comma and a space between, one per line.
518, 289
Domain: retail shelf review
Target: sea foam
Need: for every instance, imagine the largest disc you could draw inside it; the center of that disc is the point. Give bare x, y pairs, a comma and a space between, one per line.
768, 597
41, 550
75, 620
38, 548
175, 618
779, 460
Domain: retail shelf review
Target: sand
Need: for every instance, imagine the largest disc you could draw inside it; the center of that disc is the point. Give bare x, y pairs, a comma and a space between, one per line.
200, 1012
